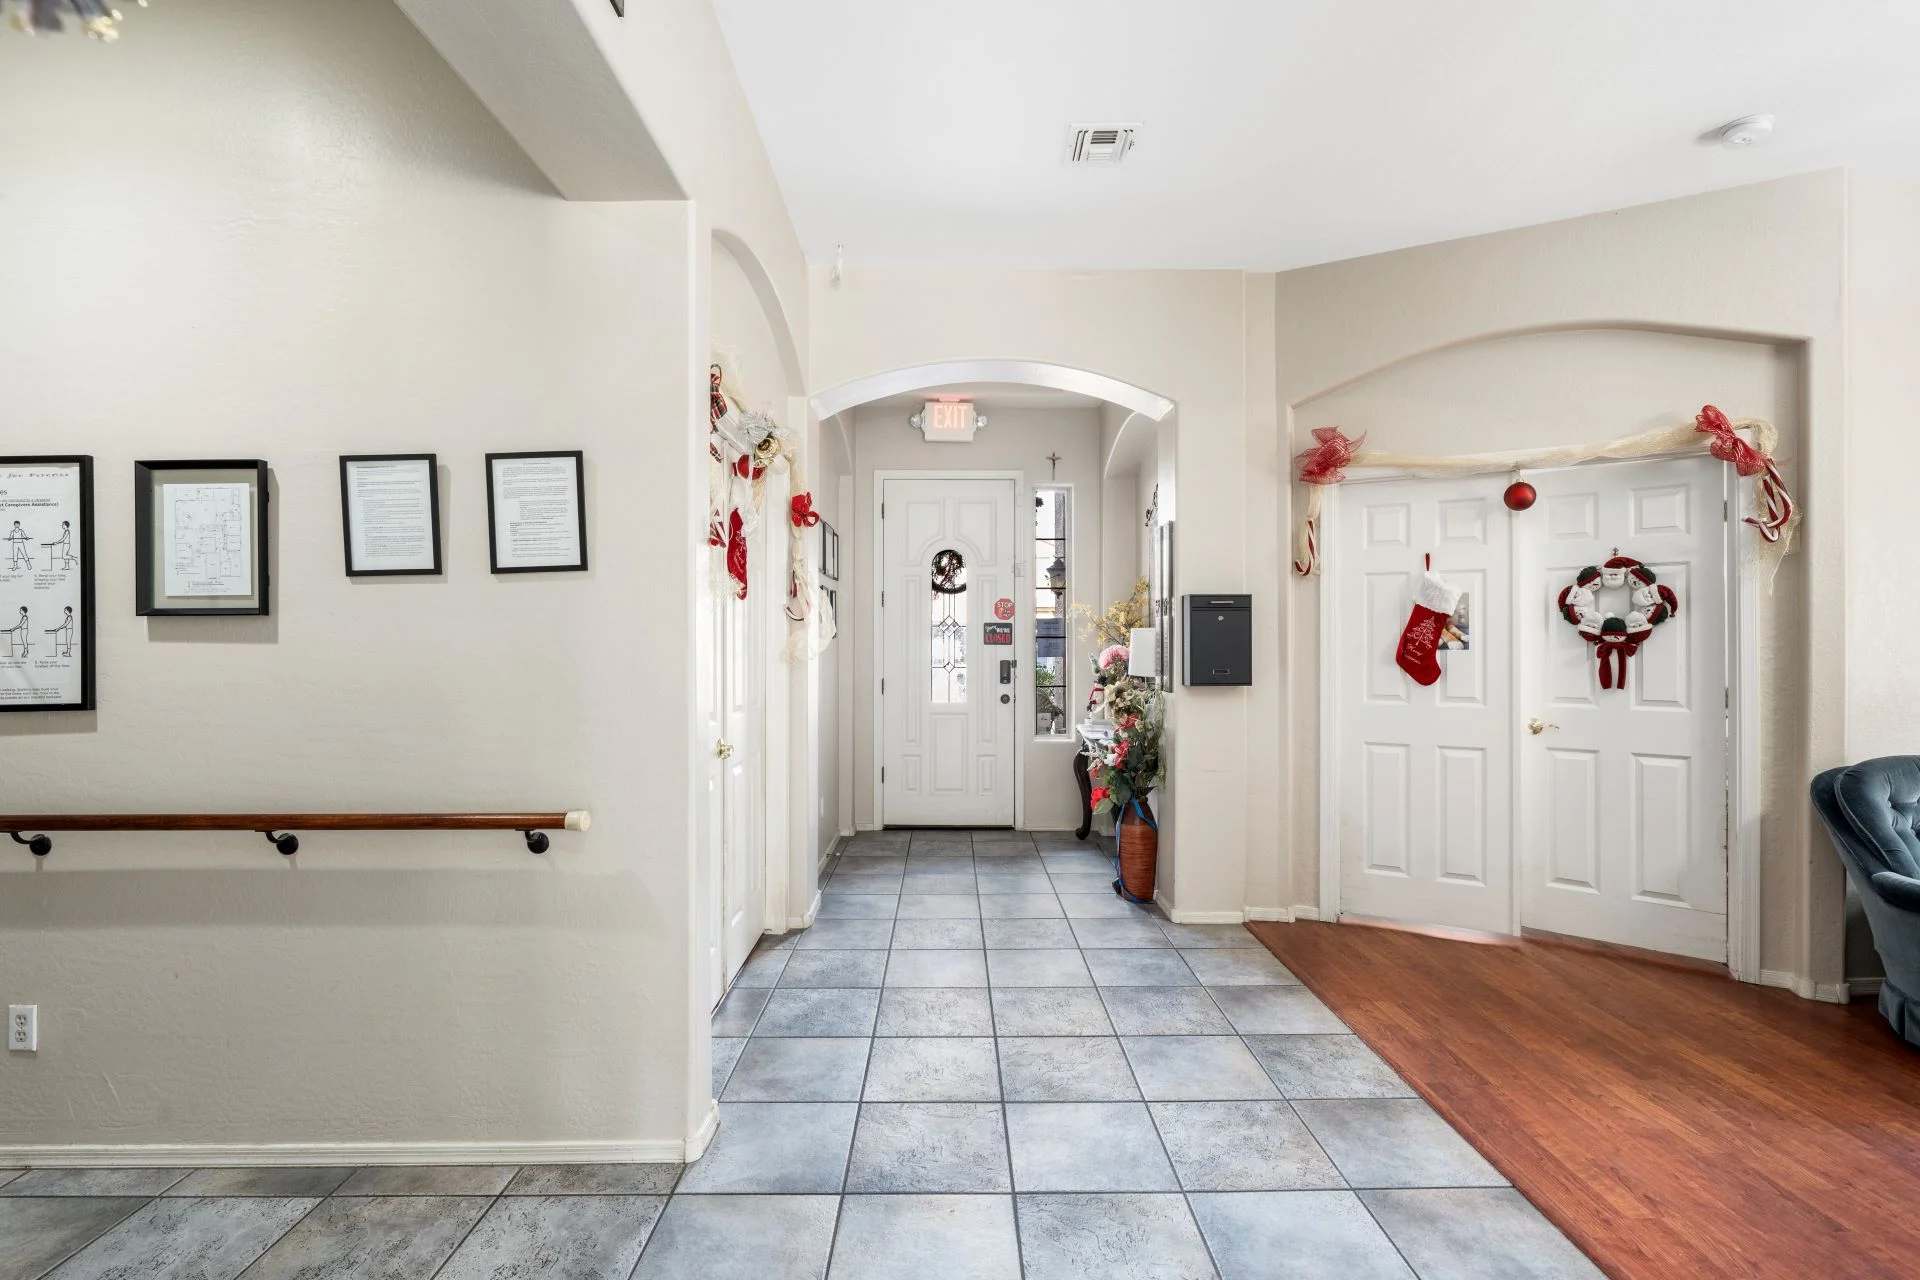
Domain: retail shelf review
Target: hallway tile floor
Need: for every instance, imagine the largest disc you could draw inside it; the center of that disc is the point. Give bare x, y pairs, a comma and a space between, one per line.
979, 1064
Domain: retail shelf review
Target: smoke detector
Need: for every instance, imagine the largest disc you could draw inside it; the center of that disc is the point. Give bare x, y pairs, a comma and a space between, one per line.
1100, 143
1747, 131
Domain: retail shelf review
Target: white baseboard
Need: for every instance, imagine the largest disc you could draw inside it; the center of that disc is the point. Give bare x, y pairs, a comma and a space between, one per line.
1282, 914
1805, 988
696, 1146
1306, 913
805, 921
324, 1154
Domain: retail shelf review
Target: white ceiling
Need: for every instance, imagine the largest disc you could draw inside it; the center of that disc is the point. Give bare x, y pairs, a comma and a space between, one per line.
1287, 132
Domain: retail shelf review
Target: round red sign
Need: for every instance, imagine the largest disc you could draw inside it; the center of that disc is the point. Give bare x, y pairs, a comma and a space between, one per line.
1003, 609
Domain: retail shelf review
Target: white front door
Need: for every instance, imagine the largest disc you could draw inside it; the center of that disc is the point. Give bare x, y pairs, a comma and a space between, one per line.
948, 699
1423, 805
1624, 792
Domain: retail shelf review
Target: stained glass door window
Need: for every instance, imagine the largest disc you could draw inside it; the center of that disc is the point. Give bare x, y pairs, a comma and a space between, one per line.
947, 628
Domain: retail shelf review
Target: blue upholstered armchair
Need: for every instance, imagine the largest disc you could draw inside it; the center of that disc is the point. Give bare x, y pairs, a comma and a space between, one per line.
1872, 810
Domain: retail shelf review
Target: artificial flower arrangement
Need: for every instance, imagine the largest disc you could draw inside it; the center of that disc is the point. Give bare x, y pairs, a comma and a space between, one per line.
1128, 766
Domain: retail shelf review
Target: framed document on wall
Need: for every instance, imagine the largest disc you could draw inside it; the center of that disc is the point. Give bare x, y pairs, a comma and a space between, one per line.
537, 511
46, 583
390, 514
200, 539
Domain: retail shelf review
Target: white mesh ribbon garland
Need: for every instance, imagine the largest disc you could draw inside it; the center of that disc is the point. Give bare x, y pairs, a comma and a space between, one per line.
1711, 431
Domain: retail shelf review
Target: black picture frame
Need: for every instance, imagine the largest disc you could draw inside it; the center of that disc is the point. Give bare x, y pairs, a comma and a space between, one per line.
85, 627
346, 512
829, 552
149, 603
580, 501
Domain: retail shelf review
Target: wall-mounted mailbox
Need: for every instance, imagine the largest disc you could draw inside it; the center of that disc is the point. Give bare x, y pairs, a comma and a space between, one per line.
1218, 631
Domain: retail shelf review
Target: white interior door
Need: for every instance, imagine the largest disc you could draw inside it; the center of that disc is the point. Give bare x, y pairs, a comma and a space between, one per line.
740, 657
948, 704
1623, 792
1425, 774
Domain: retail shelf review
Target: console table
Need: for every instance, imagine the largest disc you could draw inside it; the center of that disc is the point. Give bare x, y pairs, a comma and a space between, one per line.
1089, 733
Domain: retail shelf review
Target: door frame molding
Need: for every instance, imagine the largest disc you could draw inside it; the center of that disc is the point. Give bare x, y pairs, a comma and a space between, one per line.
1743, 712
1022, 636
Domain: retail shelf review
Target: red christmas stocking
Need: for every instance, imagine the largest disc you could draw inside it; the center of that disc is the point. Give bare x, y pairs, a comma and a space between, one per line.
1432, 605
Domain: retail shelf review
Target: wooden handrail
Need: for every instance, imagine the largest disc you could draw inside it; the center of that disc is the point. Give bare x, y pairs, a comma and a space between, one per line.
532, 825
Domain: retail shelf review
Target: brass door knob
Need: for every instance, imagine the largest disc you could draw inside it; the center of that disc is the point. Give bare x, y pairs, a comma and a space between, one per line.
723, 749
1536, 728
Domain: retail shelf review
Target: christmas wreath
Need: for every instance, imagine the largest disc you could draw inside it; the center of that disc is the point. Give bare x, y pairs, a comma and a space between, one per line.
1614, 638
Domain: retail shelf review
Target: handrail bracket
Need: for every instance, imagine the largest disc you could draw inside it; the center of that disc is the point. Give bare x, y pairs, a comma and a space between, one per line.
41, 845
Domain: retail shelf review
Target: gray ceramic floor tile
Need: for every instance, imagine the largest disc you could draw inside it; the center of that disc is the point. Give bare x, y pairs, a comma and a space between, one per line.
1326, 1066
1164, 1011
1086, 1146
595, 1180
1082, 881
92, 1182
206, 1239
1006, 857
775, 1147
939, 882
8, 1175
937, 969
1204, 936
877, 861
937, 935
1077, 860
935, 1011
534, 1237
1196, 1068
1026, 935
794, 1070
372, 1238
1242, 1146
290, 1181
737, 1012
726, 1052
36, 1233
1296, 1235
1477, 1234
429, 1180
1236, 966
820, 1011
926, 1238
1134, 932
1105, 905
929, 1147
1139, 967
1050, 1011
857, 906
1034, 881
763, 970
1066, 1069
1395, 1142
834, 969
1275, 1011
846, 935
1020, 906
939, 906
1037, 968
933, 1069
741, 1238
1111, 1237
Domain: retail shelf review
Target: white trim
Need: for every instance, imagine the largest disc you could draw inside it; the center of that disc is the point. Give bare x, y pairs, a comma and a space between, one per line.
805, 921
1282, 914
1302, 911
1805, 988
335, 1154
1030, 373
1022, 637
697, 1142
1329, 710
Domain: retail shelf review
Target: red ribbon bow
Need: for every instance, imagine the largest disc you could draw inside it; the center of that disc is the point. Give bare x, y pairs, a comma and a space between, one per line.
1727, 446
1326, 462
804, 516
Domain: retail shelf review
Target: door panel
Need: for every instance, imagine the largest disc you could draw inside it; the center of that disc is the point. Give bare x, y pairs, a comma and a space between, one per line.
1423, 816
1623, 794
947, 747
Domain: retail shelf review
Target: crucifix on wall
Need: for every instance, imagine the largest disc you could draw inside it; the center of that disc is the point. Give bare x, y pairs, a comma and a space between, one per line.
1054, 460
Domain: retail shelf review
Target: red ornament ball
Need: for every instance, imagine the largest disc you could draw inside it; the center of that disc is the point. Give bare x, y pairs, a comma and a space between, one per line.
1519, 495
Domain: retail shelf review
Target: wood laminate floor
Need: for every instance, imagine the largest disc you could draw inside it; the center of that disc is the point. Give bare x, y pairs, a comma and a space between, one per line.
1672, 1123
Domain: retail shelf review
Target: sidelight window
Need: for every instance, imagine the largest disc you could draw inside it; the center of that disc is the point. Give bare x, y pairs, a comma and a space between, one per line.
1052, 520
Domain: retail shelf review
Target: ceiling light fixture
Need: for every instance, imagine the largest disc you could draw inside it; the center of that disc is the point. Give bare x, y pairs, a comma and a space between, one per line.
1747, 131
98, 18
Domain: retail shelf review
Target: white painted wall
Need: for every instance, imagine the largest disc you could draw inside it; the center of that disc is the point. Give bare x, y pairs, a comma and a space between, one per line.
288, 231
1013, 440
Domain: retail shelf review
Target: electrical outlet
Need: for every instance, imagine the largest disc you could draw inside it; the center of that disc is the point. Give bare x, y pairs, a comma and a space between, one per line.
23, 1028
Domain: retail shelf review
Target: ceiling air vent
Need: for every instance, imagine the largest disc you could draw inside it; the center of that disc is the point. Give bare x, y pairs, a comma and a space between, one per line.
1101, 143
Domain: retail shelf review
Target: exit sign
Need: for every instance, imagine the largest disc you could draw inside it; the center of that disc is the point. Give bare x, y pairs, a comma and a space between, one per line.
949, 420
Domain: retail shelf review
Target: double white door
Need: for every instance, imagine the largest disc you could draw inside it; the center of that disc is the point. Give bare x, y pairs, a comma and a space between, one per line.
1516, 791
948, 699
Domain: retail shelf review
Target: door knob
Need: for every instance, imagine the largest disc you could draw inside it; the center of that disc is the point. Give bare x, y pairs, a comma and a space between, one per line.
723, 749
1006, 697
1536, 728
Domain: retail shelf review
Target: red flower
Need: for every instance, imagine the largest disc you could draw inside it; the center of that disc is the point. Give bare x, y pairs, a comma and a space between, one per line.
1098, 795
